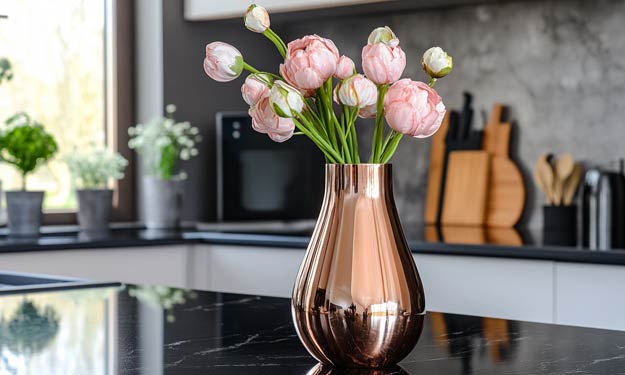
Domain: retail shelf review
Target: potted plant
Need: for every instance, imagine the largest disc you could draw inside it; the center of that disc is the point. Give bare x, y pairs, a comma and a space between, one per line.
6, 74
26, 145
92, 173
163, 143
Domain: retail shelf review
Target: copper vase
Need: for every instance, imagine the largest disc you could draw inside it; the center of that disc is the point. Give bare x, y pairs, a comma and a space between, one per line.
358, 300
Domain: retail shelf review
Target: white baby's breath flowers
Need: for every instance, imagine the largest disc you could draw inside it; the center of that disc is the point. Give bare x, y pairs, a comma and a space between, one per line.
436, 62
95, 169
163, 141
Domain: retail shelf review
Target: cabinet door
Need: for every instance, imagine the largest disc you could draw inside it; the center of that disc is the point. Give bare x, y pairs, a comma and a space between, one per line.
166, 265
495, 287
202, 10
252, 270
590, 295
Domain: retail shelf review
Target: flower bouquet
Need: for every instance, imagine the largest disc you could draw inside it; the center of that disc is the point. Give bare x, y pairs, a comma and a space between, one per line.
358, 300
301, 98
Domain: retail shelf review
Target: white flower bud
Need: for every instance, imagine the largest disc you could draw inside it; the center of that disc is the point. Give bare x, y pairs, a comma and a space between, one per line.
383, 35
256, 18
285, 100
436, 62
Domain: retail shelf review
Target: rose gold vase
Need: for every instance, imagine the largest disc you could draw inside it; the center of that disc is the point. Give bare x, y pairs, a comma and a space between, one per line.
358, 300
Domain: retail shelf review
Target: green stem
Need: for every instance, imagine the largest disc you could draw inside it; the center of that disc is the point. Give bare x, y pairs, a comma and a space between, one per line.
323, 102
355, 135
313, 135
392, 147
275, 39
250, 68
432, 82
378, 132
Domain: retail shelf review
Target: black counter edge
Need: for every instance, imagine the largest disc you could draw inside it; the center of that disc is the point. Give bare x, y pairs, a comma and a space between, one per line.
545, 253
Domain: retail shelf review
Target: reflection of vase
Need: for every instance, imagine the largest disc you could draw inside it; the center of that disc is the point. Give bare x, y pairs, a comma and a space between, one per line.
358, 300
163, 202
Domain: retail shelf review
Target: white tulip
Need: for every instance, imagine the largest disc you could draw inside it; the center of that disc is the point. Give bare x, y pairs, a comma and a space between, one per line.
357, 91
383, 35
256, 18
285, 100
436, 62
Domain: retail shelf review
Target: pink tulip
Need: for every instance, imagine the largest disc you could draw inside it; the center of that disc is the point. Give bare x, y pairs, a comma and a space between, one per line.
383, 61
345, 68
369, 111
357, 91
265, 120
413, 108
223, 62
309, 62
255, 87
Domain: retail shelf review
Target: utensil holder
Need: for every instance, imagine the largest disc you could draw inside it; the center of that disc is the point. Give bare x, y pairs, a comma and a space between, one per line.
560, 225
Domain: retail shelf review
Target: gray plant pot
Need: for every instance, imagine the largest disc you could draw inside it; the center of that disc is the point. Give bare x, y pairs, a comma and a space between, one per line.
162, 202
94, 209
24, 212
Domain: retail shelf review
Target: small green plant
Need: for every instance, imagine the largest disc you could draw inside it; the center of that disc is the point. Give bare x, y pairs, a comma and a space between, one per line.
94, 170
163, 142
25, 144
6, 71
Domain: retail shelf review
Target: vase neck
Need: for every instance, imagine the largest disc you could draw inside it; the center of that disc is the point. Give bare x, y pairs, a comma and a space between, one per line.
368, 180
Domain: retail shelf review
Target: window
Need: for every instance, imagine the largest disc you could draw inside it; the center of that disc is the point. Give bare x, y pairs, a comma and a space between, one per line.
63, 56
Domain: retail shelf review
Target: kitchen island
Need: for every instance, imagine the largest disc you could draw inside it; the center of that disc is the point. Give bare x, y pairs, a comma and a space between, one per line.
136, 329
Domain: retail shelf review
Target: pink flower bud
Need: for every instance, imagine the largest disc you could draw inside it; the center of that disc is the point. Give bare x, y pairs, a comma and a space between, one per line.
265, 120
357, 91
345, 68
309, 62
223, 62
255, 87
383, 61
413, 108
369, 111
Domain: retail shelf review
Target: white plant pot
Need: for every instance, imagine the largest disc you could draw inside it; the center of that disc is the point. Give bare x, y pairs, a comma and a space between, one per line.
162, 202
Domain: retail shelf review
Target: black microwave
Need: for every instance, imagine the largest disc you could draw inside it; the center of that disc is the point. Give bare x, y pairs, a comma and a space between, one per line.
261, 180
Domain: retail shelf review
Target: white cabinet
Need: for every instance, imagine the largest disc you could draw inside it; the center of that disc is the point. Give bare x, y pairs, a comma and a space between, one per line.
163, 265
495, 287
590, 295
532, 290
252, 270
203, 10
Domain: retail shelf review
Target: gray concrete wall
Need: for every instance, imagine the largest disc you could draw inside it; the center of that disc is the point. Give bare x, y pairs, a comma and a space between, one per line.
559, 65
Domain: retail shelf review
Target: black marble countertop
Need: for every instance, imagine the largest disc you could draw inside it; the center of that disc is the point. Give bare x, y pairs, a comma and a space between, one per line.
134, 330
500, 243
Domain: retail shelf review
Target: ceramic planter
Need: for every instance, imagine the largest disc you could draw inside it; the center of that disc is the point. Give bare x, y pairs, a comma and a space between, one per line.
163, 202
94, 209
24, 212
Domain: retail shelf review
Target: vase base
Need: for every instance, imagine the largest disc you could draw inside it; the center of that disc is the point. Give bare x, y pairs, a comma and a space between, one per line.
352, 339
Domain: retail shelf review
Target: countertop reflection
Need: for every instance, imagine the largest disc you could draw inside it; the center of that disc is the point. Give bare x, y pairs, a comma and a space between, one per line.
159, 330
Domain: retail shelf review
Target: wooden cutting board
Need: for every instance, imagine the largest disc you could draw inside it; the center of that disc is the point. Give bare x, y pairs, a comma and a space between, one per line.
466, 188
435, 174
506, 189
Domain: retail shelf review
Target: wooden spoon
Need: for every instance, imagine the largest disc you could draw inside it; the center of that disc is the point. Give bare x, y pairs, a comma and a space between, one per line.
571, 185
563, 167
543, 174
